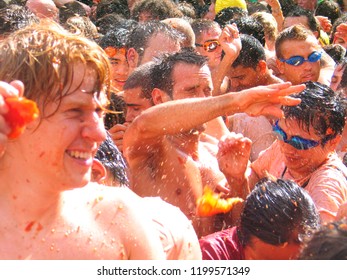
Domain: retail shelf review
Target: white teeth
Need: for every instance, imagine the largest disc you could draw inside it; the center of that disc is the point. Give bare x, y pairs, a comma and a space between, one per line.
80, 155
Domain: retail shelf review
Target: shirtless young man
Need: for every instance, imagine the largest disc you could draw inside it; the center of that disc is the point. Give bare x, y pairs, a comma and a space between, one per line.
162, 144
304, 152
49, 208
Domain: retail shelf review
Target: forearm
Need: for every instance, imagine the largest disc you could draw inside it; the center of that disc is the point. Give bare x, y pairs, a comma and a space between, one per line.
277, 13
239, 183
181, 115
220, 74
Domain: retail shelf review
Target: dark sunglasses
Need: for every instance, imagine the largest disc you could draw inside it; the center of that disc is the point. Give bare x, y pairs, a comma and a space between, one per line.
298, 60
209, 46
296, 141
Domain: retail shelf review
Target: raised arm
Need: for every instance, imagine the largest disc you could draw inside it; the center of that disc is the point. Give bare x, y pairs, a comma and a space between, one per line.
233, 158
231, 45
173, 117
276, 12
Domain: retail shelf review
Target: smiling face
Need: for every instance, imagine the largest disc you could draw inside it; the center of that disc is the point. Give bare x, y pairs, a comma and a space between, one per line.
308, 71
66, 139
303, 161
119, 68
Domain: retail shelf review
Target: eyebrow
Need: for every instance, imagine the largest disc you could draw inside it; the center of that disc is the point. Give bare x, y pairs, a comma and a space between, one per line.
132, 104
236, 76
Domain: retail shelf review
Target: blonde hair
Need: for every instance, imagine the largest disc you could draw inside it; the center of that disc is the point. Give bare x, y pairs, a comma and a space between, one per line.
268, 22
43, 56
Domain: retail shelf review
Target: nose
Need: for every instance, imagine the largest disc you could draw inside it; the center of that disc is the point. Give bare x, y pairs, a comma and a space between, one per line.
123, 69
234, 84
308, 65
130, 115
94, 128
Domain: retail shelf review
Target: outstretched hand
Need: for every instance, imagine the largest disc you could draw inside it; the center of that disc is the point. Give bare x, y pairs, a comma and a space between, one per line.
267, 100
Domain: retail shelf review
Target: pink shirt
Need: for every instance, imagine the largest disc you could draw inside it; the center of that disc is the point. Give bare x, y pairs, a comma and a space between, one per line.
327, 185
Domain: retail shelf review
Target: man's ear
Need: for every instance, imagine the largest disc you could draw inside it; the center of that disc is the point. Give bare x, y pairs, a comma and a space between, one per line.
99, 172
132, 57
159, 96
261, 67
335, 141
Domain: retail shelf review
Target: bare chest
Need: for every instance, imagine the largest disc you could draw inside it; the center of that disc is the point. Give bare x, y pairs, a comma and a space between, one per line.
60, 241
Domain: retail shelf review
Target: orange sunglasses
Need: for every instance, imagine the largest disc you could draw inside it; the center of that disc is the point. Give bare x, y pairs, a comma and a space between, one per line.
209, 46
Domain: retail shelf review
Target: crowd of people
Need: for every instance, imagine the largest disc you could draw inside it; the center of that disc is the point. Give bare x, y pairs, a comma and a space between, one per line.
145, 104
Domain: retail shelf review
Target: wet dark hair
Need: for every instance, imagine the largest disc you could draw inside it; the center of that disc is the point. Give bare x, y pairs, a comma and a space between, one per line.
116, 38
251, 53
249, 25
277, 211
106, 7
141, 78
14, 17
320, 108
229, 13
112, 159
329, 9
338, 21
298, 11
71, 9
116, 104
327, 243
336, 52
162, 71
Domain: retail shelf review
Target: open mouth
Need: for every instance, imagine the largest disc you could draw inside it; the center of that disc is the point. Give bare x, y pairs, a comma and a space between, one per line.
80, 155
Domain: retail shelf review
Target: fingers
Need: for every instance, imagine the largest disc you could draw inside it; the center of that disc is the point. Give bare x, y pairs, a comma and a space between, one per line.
233, 140
13, 89
19, 86
117, 134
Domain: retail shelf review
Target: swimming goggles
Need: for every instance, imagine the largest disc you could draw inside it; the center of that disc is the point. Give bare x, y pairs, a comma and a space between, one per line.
209, 46
298, 60
296, 141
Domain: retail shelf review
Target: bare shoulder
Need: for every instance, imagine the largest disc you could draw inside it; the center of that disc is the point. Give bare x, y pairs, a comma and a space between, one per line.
97, 198
117, 212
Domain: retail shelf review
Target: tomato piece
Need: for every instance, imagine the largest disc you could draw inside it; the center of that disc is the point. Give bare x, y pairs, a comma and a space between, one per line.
21, 111
210, 203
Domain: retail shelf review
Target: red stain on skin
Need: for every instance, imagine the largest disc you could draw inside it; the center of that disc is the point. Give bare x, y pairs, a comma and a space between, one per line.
14, 197
181, 160
29, 226
39, 227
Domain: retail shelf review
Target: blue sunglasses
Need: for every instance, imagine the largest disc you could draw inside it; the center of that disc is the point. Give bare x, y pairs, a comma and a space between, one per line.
296, 141
298, 60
